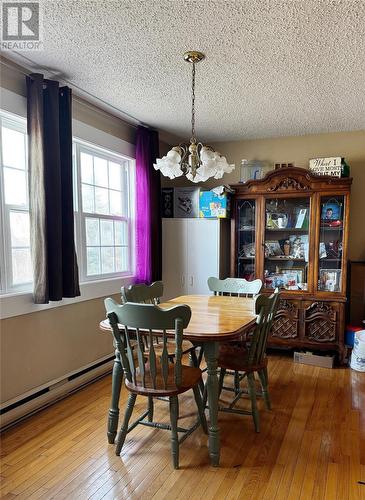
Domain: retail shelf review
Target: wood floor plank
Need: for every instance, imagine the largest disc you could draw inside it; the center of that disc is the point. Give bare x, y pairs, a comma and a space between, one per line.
311, 446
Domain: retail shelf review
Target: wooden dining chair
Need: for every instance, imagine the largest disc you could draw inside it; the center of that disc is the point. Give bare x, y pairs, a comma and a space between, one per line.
234, 287
251, 358
238, 287
151, 294
151, 375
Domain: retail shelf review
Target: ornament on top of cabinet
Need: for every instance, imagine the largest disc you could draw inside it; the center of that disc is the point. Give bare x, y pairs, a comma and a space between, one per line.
334, 166
254, 170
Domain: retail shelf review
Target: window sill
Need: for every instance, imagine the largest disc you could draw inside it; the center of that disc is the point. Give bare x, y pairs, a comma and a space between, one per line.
17, 304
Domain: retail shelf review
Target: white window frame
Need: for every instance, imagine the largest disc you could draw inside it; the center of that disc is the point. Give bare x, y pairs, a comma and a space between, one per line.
80, 216
18, 124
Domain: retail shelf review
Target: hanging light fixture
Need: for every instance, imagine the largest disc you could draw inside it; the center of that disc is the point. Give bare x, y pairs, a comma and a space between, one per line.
195, 160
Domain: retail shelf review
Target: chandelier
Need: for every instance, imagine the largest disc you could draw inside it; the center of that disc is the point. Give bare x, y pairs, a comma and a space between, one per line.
196, 161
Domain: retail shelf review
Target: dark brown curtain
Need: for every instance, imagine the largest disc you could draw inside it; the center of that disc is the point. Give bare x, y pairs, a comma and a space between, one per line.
50, 190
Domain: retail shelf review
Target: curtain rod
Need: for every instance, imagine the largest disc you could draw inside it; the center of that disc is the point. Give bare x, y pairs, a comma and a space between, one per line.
80, 99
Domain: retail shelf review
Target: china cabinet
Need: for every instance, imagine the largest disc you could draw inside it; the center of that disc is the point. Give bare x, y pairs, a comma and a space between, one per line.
290, 229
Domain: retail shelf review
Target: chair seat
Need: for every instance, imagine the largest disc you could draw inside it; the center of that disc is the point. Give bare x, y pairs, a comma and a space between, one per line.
235, 358
190, 378
171, 347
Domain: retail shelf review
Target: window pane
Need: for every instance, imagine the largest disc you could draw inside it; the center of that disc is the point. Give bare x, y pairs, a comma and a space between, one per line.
101, 201
115, 176
121, 259
107, 237
19, 229
121, 233
100, 172
87, 168
13, 148
107, 259
88, 198
22, 267
15, 187
116, 202
92, 232
93, 260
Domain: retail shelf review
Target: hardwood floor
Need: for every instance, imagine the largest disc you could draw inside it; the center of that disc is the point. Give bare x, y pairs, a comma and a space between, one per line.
311, 445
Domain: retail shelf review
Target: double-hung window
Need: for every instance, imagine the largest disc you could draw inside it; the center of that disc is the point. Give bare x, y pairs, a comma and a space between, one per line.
16, 269
102, 212
103, 199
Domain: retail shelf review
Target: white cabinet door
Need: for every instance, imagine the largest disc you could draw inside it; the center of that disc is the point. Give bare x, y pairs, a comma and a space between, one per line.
203, 254
174, 257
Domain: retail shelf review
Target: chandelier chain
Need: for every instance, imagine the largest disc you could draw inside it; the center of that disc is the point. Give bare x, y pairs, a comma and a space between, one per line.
193, 105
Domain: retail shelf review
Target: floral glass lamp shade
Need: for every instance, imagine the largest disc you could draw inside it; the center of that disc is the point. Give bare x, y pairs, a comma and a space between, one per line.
196, 161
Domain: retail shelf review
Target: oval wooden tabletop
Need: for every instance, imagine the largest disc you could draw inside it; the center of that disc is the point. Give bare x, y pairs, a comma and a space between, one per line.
212, 317
216, 317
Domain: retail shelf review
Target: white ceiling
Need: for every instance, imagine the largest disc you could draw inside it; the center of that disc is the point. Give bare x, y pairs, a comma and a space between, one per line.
273, 67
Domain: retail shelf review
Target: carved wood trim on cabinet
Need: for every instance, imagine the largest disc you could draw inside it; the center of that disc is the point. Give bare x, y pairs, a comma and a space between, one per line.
286, 321
320, 322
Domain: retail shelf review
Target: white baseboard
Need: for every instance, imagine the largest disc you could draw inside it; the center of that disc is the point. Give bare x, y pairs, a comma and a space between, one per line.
56, 390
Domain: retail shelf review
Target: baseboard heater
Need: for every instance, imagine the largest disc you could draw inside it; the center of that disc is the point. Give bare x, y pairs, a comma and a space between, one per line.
17, 409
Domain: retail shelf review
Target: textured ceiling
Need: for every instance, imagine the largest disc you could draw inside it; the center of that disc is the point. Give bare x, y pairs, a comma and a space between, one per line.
278, 67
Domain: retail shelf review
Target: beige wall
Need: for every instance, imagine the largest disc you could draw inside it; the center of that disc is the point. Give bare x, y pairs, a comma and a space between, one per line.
299, 150
40, 347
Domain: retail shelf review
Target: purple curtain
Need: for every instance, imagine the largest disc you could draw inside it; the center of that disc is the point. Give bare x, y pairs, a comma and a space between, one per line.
148, 216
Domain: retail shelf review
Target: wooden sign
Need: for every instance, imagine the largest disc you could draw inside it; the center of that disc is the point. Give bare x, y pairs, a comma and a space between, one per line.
326, 166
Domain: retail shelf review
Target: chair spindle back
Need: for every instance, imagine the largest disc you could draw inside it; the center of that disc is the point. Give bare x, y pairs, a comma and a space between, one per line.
234, 287
143, 294
141, 320
265, 307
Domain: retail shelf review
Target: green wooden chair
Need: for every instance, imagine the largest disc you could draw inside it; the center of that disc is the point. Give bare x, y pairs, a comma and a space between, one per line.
151, 294
234, 287
251, 358
147, 374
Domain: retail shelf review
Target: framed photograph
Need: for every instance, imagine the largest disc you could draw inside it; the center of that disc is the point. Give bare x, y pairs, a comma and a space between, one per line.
299, 246
331, 211
248, 250
330, 280
322, 250
298, 271
272, 248
288, 280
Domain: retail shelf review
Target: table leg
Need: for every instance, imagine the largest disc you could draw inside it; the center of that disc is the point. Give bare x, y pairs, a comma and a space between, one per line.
211, 354
117, 379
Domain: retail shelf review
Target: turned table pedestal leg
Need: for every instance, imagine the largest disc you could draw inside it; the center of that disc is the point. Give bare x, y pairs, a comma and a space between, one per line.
211, 354
117, 379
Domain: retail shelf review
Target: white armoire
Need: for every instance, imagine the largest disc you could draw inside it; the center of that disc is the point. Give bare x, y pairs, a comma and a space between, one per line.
193, 250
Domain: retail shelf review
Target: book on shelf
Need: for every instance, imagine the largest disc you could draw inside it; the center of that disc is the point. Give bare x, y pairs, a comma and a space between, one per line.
302, 219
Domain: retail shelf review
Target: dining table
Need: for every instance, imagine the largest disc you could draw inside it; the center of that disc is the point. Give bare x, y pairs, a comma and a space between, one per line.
214, 320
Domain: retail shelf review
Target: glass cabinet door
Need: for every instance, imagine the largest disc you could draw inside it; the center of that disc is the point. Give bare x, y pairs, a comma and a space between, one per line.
286, 243
246, 211
330, 244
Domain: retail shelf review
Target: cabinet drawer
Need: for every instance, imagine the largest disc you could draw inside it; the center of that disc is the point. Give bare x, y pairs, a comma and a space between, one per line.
286, 322
320, 321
